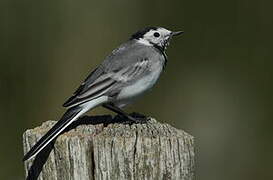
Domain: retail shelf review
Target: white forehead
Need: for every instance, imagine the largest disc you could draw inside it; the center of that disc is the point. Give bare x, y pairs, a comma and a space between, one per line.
161, 31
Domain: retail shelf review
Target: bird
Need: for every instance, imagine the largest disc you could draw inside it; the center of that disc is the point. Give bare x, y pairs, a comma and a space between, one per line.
122, 77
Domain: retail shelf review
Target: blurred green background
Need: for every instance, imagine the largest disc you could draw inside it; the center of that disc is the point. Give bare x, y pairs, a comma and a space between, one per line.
217, 85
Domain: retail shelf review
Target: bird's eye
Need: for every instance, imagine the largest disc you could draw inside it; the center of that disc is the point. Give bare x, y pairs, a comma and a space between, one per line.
156, 34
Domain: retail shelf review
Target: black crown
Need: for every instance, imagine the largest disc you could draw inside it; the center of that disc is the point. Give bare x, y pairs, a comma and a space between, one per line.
140, 33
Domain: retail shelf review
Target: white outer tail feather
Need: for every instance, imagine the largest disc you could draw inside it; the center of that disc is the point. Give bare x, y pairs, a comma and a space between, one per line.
85, 107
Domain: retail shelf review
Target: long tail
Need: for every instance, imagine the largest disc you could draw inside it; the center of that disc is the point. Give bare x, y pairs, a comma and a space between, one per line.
69, 116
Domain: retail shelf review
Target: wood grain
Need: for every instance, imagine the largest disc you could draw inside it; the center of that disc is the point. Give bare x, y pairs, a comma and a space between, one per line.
115, 151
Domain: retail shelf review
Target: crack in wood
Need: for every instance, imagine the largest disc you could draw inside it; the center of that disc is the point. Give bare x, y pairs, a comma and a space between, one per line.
105, 150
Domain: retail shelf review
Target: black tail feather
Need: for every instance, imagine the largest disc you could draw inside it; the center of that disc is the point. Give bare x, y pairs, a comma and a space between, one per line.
53, 132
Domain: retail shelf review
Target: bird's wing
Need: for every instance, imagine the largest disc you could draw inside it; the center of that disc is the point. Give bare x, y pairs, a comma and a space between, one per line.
107, 79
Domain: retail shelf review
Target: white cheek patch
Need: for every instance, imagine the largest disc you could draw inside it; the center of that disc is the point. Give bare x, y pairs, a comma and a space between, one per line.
144, 41
149, 39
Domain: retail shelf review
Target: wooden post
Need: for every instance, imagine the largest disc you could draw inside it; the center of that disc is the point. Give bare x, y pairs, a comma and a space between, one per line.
112, 152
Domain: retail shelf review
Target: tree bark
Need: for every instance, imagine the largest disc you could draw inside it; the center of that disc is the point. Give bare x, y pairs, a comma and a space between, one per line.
112, 151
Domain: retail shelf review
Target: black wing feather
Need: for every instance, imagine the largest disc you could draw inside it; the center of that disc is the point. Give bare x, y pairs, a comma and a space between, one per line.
83, 87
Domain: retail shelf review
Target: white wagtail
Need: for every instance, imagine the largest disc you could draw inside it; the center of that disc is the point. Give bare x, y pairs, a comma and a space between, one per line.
129, 71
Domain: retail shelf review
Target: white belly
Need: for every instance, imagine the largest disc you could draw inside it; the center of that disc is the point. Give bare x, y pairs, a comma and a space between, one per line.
133, 91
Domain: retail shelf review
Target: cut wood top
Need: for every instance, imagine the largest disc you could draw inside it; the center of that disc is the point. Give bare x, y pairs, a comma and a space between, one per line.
84, 127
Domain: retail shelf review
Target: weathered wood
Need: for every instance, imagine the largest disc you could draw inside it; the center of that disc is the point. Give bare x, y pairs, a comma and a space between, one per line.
116, 151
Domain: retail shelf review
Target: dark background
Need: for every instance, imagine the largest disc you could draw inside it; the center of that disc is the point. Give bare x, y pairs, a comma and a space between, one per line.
217, 85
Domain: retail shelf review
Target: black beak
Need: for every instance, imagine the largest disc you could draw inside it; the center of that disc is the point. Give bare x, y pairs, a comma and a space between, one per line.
177, 33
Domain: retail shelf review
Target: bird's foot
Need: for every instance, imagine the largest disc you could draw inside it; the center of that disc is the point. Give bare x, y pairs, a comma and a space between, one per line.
132, 118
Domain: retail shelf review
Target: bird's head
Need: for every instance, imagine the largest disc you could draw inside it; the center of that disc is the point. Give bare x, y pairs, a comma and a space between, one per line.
155, 36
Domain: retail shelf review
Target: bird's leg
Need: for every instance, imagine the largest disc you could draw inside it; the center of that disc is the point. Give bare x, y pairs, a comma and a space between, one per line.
119, 111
